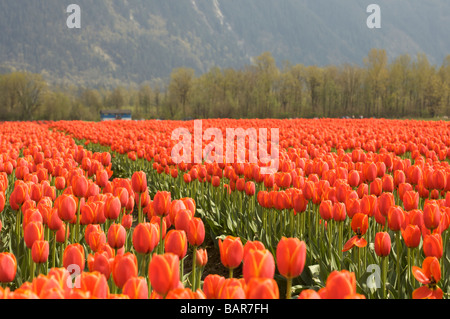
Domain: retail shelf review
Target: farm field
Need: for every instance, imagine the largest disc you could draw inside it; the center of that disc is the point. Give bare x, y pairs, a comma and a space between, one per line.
355, 208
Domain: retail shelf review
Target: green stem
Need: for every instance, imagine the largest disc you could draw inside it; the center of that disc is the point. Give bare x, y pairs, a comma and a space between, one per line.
288, 288
397, 237
194, 261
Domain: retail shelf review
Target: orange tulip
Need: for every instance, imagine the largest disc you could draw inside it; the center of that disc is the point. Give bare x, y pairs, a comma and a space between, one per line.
429, 275
139, 182
339, 285
100, 262
410, 200
124, 267
232, 288
112, 208
382, 244
145, 237
433, 246
262, 288
8, 267
74, 255
39, 251
196, 232
212, 285
164, 273
259, 264
161, 203
411, 235
34, 231
181, 293
201, 257
309, 294
396, 218
116, 236
431, 215
67, 207
231, 252
79, 185
95, 284
136, 288
384, 202
326, 210
176, 242
96, 240
291, 256
339, 212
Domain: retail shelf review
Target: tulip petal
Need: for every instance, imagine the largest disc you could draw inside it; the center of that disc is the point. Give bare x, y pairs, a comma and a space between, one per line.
422, 293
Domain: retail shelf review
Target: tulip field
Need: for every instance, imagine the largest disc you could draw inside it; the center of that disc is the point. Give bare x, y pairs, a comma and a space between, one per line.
356, 209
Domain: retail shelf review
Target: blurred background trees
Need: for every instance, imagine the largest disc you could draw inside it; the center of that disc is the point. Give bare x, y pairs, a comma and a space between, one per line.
403, 88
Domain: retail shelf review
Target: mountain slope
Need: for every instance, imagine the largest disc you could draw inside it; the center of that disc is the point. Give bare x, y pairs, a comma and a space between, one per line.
124, 42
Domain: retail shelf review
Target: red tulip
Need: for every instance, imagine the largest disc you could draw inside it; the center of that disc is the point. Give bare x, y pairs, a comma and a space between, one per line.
39, 251
433, 246
431, 215
139, 182
291, 256
231, 252
382, 244
95, 284
429, 275
145, 237
410, 200
34, 231
262, 288
176, 242
116, 236
136, 288
212, 285
201, 257
259, 264
161, 203
164, 273
74, 255
196, 232
8, 267
124, 267
411, 235
396, 218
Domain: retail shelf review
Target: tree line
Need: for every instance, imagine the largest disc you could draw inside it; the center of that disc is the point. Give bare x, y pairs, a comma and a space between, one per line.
402, 88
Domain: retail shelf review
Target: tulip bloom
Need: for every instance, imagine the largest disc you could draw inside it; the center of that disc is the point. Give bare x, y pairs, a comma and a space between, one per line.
145, 237
433, 246
326, 210
431, 215
33, 231
231, 252
262, 288
360, 224
410, 200
196, 232
40, 251
116, 236
340, 285
124, 267
136, 288
100, 262
176, 242
8, 267
162, 203
429, 275
212, 285
201, 257
139, 182
258, 263
396, 218
382, 244
74, 255
411, 236
164, 273
94, 283
67, 207
291, 256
